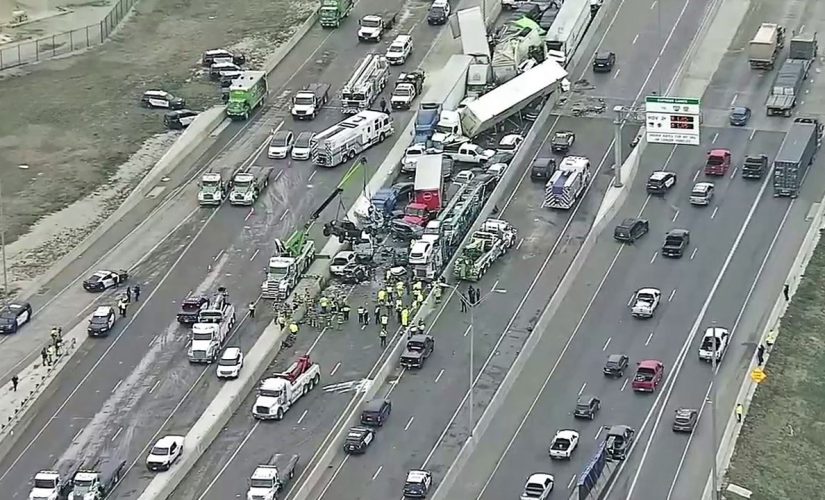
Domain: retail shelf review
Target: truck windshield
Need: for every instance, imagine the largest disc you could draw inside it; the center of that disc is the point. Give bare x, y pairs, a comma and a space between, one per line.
160, 451
44, 484
210, 317
276, 273
304, 100
241, 185
674, 241
272, 393
261, 483
403, 92
444, 129
210, 184
553, 45
415, 346
227, 362
371, 23
202, 335
415, 211
82, 484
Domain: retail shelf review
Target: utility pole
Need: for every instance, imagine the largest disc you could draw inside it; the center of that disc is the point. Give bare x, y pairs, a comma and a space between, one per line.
617, 146
3, 247
714, 482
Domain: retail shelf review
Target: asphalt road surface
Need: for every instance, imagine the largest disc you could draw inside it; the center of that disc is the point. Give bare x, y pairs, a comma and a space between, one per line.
121, 392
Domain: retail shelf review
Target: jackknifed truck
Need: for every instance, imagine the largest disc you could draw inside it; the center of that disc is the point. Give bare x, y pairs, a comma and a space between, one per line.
270, 479
766, 45
791, 76
247, 92
488, 243
795, 156
333, 12
211, 332
308, 101
249, 185
277, 394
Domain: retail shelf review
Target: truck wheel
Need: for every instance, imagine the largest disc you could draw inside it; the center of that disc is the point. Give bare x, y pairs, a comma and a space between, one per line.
280, 414
381, 137
292, 473
316, 380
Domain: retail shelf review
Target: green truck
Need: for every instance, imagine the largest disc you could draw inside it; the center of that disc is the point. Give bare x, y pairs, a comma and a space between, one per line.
246, 93
334, 11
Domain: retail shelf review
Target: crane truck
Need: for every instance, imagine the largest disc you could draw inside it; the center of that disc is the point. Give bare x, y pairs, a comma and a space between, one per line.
270, 478
211, 331
277, 394
489, 243
96, 481
249, 185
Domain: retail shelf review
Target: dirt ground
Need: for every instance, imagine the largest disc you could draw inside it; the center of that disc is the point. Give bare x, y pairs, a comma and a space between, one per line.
781, 451
76, 126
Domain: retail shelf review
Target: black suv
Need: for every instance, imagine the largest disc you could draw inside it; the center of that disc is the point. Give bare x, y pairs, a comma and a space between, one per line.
676, 242
542, 169
376, 412
587, 406
191, 308
619, 440
417, 350
358, 440
616, 365
631, 229
604, 61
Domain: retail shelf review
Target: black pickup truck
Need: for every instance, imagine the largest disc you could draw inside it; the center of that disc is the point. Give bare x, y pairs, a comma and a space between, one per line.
191, 307
418, 349
676, 242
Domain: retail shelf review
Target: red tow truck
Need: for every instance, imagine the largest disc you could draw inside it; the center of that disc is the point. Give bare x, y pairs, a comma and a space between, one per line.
718, 162
427, 192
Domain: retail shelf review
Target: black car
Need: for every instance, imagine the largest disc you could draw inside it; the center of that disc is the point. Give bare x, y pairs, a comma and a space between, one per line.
358, 440
676, 242
542, 169
587, 406
684, 419
660, 182
179, 119
739, 116
102, 321
546, 20
417, 350
403, 190
616, 365
562, 141
439, 13
619, 440
529, 10
604, 61
631, 229
161, 99
191, 307
501, 157
15, 315
103, 280
209, 57
376, 412
403, 231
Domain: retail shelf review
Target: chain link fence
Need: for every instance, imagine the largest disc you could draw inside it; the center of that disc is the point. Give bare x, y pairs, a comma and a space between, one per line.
41, 49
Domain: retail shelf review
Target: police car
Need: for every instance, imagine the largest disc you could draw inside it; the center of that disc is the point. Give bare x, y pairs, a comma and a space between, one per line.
103, 280
15, 315
358, 440
418, 484
660, 182
102, 321
179, 119
161, 99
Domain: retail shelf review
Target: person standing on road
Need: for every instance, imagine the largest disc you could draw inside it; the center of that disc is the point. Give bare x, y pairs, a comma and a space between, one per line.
760, 354
471, 295
252, 310
382, 335
14, 381
137, 293
361, 313
377, 313
383, 105
128, 294
786, 292
345, 309
293, 328
366, 315
463, 302
739, 411
45, 355
384, 321
122, 307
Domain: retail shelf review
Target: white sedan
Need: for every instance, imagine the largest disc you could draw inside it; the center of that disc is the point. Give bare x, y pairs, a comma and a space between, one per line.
563, 444
644, 302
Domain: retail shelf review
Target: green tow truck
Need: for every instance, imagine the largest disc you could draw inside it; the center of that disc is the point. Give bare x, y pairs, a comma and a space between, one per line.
247, 92
334, 11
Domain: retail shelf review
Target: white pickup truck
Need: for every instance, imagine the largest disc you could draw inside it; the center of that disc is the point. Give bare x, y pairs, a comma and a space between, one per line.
278, 393
470, 153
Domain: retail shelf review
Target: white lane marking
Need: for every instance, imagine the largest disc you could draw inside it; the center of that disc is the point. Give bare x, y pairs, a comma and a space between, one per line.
218, 256
733, 101
469, 327
335, 369
153, 339
303, 415
519, 243
672, 293
438, 377
312, 175
635, 39
670, 381
607, 343
753, 132
624, 385
601, 40
649, 338
616, 74
696, 175
78, 434
599, 432
654, 256
409, 423
380, 468
495, 285
572, 480
154, 387
675, 215
673, 30
653, 5
630, 300
117, 385
254, 254
231, 457
715, 210
251, 211
693, 253
283, 215
732, 331
119, 430
582, 389
733, 172
331, 479
715, 136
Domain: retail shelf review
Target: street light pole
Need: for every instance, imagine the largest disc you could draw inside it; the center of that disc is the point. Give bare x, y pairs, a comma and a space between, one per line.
3, 247
713, 364
617, 146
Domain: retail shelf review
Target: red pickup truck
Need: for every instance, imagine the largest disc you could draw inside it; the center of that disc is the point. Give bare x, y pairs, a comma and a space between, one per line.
718, 162
648, 375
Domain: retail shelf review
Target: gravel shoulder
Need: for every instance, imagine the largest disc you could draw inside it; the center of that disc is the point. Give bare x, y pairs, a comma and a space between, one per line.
780, 453
76, 126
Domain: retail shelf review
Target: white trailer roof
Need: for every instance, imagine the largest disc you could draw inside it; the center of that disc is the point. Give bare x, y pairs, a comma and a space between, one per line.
473, 32
247, 80
568, 16
428, 172
766, 34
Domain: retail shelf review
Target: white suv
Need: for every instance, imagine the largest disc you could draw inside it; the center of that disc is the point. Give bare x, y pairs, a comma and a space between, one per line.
231, 362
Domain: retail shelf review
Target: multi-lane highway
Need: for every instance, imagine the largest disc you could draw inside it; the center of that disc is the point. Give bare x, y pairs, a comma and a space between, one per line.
121, 392
741, 247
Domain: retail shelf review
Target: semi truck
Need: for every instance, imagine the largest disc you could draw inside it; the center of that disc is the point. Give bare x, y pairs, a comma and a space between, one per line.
333, 12
278, 393
427, 192
308, 101
249, 185
795, 156
52, 484
474, 44
365, 84
568, 183
349, 138
448, 89
489, 243
407, 88
96, 481
510, 98
211, 331
212, 190
791, 76
247, 92
270, 478
373, 27
521, 42
289, 262
568, 30
764, 48
426, 120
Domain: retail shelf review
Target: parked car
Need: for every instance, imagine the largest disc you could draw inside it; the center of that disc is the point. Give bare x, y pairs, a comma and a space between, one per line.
161, 99
15, 315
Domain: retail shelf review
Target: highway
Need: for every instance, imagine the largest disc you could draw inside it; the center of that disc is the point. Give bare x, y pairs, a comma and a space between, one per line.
121, 392
730, 244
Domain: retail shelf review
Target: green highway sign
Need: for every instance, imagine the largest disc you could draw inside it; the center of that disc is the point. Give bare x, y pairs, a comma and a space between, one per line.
673, 100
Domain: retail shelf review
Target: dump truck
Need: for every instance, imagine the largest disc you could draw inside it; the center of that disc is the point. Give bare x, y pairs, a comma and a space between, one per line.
289, 262
213, 189
795, 156
407, 88
211, 332
373, 27
278, 393
270, 478
308, 101
568, 183
249, 185
791, 75
247, 92
487, 244
333, 12
96, 481
766, 45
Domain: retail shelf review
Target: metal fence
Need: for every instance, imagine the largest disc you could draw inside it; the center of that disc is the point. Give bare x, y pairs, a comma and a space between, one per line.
41, 49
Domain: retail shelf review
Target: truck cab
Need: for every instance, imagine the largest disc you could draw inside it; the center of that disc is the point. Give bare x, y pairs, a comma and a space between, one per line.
718, 162
212, 189
211, 330
248, 186
754, 166
372, 27
277, 394
49, 485
308, 101
426, 121
269, 479
333, 12
448, 130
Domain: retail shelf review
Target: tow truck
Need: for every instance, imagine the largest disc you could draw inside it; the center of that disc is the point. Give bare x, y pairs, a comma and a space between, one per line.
212, 329
52, 484
278, 393
374, 26
270, 478
488, 244
212, 189
95, 482
248, 186
407, 88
